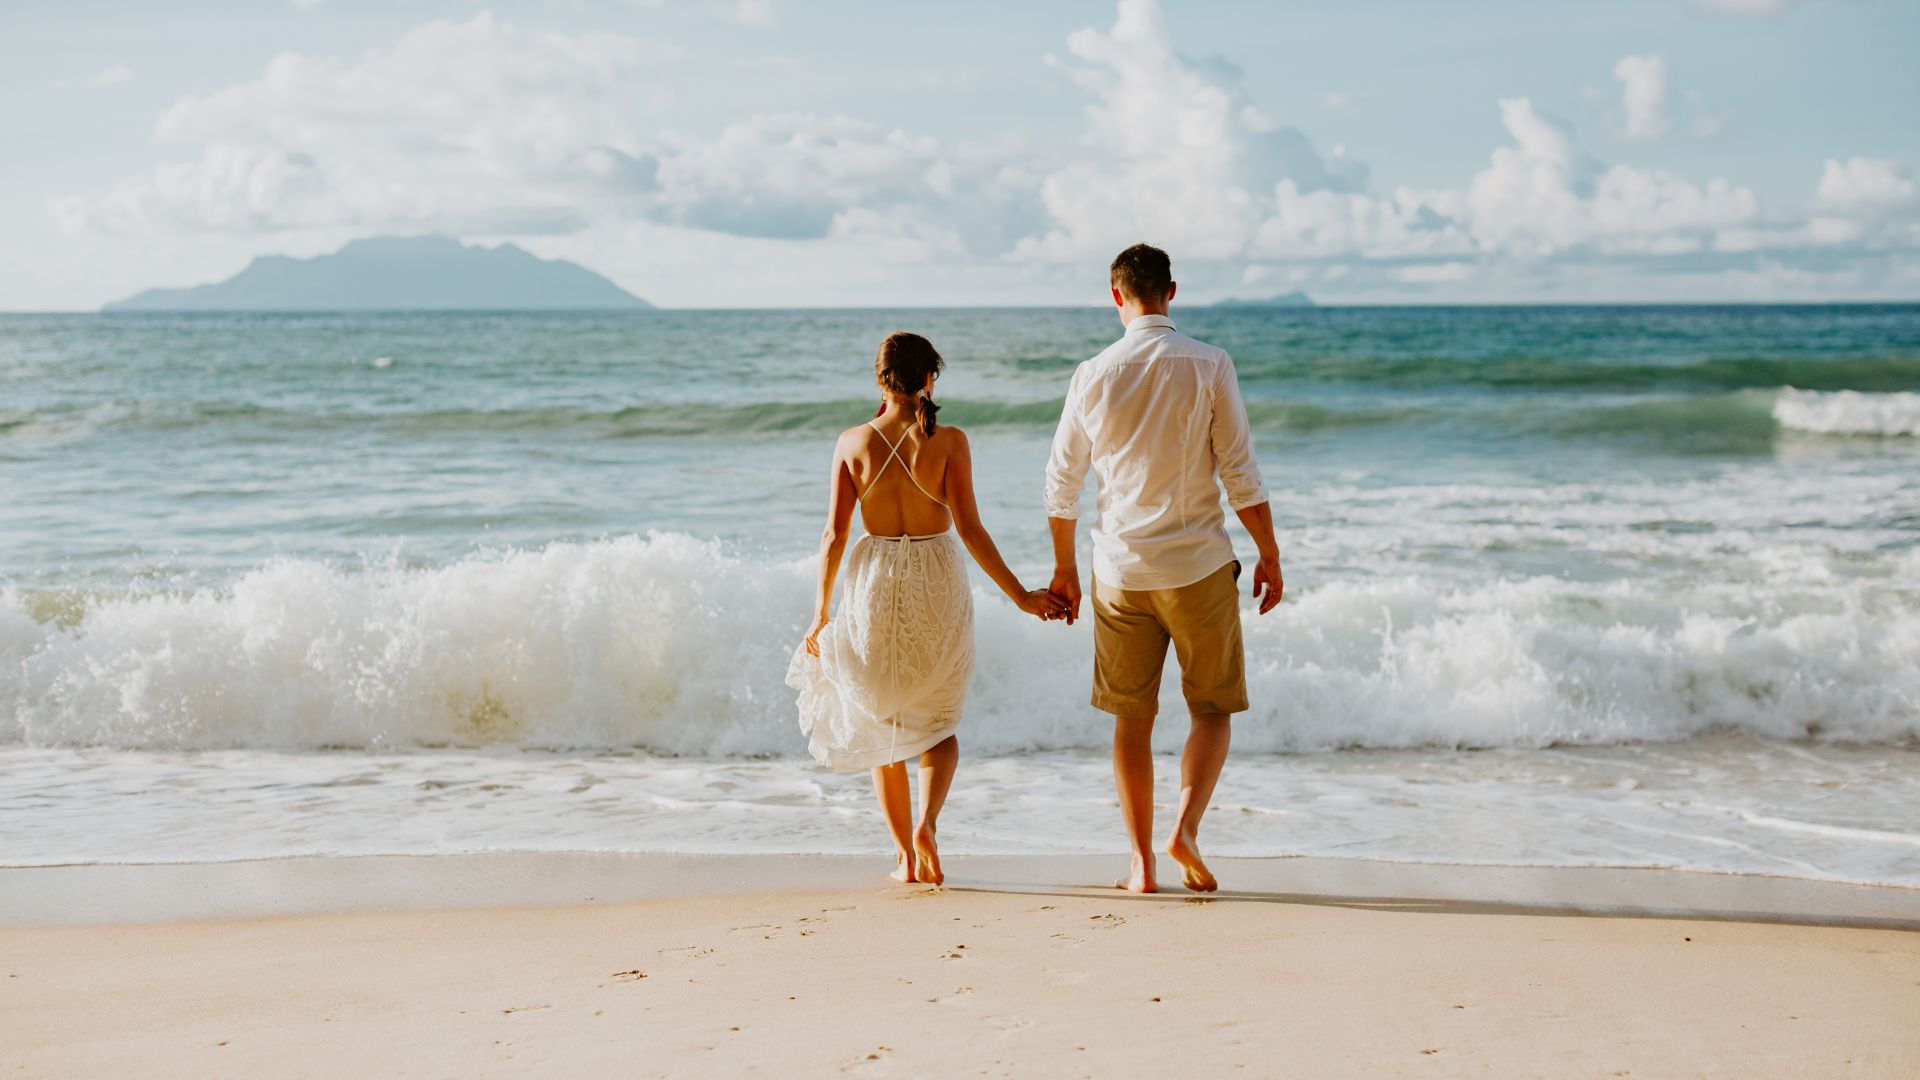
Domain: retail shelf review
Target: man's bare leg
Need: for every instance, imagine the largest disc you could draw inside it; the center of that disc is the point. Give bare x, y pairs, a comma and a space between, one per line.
890, 787
936, 775
1199, 770
1133, 778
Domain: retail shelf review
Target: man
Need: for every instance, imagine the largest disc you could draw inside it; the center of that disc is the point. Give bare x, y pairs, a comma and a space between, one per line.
1158, 417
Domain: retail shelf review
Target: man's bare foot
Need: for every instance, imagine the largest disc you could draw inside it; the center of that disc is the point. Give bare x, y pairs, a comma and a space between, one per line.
1141, 879
903, 873
1193, 872
926, 857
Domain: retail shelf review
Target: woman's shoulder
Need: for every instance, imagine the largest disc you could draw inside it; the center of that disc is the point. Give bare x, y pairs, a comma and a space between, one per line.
946, 435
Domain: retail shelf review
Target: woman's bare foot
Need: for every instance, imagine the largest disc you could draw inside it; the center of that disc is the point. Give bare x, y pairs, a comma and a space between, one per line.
926, 857
903, 873
1193, 872
1141, 879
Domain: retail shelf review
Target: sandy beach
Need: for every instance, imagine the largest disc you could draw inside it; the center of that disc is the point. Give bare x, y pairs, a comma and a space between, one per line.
694, 970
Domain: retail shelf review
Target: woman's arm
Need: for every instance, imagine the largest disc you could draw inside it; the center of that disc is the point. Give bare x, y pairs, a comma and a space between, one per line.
833, 542
966, 522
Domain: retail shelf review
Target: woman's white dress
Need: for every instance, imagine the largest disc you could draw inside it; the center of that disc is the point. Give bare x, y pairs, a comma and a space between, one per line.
891, 678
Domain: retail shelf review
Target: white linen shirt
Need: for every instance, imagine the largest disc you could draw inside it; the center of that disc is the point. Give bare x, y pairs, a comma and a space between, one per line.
1158, 417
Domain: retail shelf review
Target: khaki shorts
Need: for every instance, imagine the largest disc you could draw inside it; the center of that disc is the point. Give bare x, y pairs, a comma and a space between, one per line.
1131, 630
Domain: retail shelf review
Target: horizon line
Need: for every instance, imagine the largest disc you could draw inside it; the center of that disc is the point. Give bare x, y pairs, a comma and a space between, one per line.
657, 309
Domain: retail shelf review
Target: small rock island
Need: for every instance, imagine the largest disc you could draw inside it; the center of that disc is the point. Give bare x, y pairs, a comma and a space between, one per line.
399, 273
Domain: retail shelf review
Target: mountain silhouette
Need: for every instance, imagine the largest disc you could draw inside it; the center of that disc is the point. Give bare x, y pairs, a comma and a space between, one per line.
1292, 299
396, 273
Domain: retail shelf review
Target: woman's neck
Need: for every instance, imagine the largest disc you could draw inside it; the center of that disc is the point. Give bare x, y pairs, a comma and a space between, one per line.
899, 408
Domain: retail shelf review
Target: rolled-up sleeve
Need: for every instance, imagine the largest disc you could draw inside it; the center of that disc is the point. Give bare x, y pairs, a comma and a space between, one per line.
1233, 442
1072, 454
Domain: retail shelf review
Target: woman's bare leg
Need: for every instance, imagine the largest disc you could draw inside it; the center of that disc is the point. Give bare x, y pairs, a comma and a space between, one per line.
890, 787
936, 775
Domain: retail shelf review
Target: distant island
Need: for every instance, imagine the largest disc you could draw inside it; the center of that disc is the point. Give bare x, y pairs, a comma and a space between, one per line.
399, 273
1292, 299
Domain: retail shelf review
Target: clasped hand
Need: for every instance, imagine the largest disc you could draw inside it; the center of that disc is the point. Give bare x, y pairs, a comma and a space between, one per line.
1044, 604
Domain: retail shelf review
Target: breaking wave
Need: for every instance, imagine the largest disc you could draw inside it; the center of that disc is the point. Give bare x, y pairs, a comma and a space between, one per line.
675, 645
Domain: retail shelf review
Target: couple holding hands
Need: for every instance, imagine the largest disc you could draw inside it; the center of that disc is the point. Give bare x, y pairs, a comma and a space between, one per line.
1158, 418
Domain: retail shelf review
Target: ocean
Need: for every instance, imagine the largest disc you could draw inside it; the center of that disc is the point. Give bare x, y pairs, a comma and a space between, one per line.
1620, 586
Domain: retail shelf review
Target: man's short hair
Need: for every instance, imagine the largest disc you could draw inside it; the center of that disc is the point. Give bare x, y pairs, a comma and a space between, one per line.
1143, 272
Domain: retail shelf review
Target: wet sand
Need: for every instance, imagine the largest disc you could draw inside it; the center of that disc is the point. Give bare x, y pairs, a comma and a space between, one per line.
824, 967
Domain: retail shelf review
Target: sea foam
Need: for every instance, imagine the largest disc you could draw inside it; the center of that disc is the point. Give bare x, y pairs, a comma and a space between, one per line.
676, 645
1848, 412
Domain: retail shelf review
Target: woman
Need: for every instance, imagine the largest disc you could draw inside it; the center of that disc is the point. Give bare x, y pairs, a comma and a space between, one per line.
887, 679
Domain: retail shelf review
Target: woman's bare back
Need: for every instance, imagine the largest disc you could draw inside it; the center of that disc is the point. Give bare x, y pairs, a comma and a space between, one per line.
903, 495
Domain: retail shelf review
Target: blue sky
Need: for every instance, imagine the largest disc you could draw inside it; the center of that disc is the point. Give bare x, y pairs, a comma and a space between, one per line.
772, 153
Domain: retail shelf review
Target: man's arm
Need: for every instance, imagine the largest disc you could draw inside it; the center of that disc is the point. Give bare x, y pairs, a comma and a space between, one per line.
1066, 568
1258, 519
1067, 468
1232, 439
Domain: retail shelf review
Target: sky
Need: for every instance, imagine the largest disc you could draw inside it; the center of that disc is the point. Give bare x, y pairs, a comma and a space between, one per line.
775, 153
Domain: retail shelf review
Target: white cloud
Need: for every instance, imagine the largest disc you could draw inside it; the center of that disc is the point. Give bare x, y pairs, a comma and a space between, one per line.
488, 130
1643, 94
481, 128
1173, 151
1435, 273
110, 76
1744, 7
231, 188
1863, 186
792, 175
1532, 201
1344, 99
474, 126
751, 12
1332, 224
744, 12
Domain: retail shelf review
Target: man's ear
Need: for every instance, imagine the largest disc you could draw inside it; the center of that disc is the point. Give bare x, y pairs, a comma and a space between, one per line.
1118, 300
1172, 286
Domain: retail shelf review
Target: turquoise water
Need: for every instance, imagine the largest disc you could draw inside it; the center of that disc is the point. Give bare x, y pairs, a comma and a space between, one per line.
1575, 535
138, 448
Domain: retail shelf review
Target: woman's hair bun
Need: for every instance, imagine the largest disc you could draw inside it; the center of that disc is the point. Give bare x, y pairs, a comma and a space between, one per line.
903, 365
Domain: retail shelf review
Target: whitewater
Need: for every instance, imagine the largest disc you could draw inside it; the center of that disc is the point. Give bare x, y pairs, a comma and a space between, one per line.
1566, 586
645, 643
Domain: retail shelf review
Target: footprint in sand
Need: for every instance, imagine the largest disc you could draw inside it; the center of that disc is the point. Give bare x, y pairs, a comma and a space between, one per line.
523, 1008
873, 1060
629, 975
958, 997
1067, 939
691, 952
1107, 920
1007, 1025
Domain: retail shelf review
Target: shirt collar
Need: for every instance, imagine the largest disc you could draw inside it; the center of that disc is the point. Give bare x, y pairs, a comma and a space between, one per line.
1150, 322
